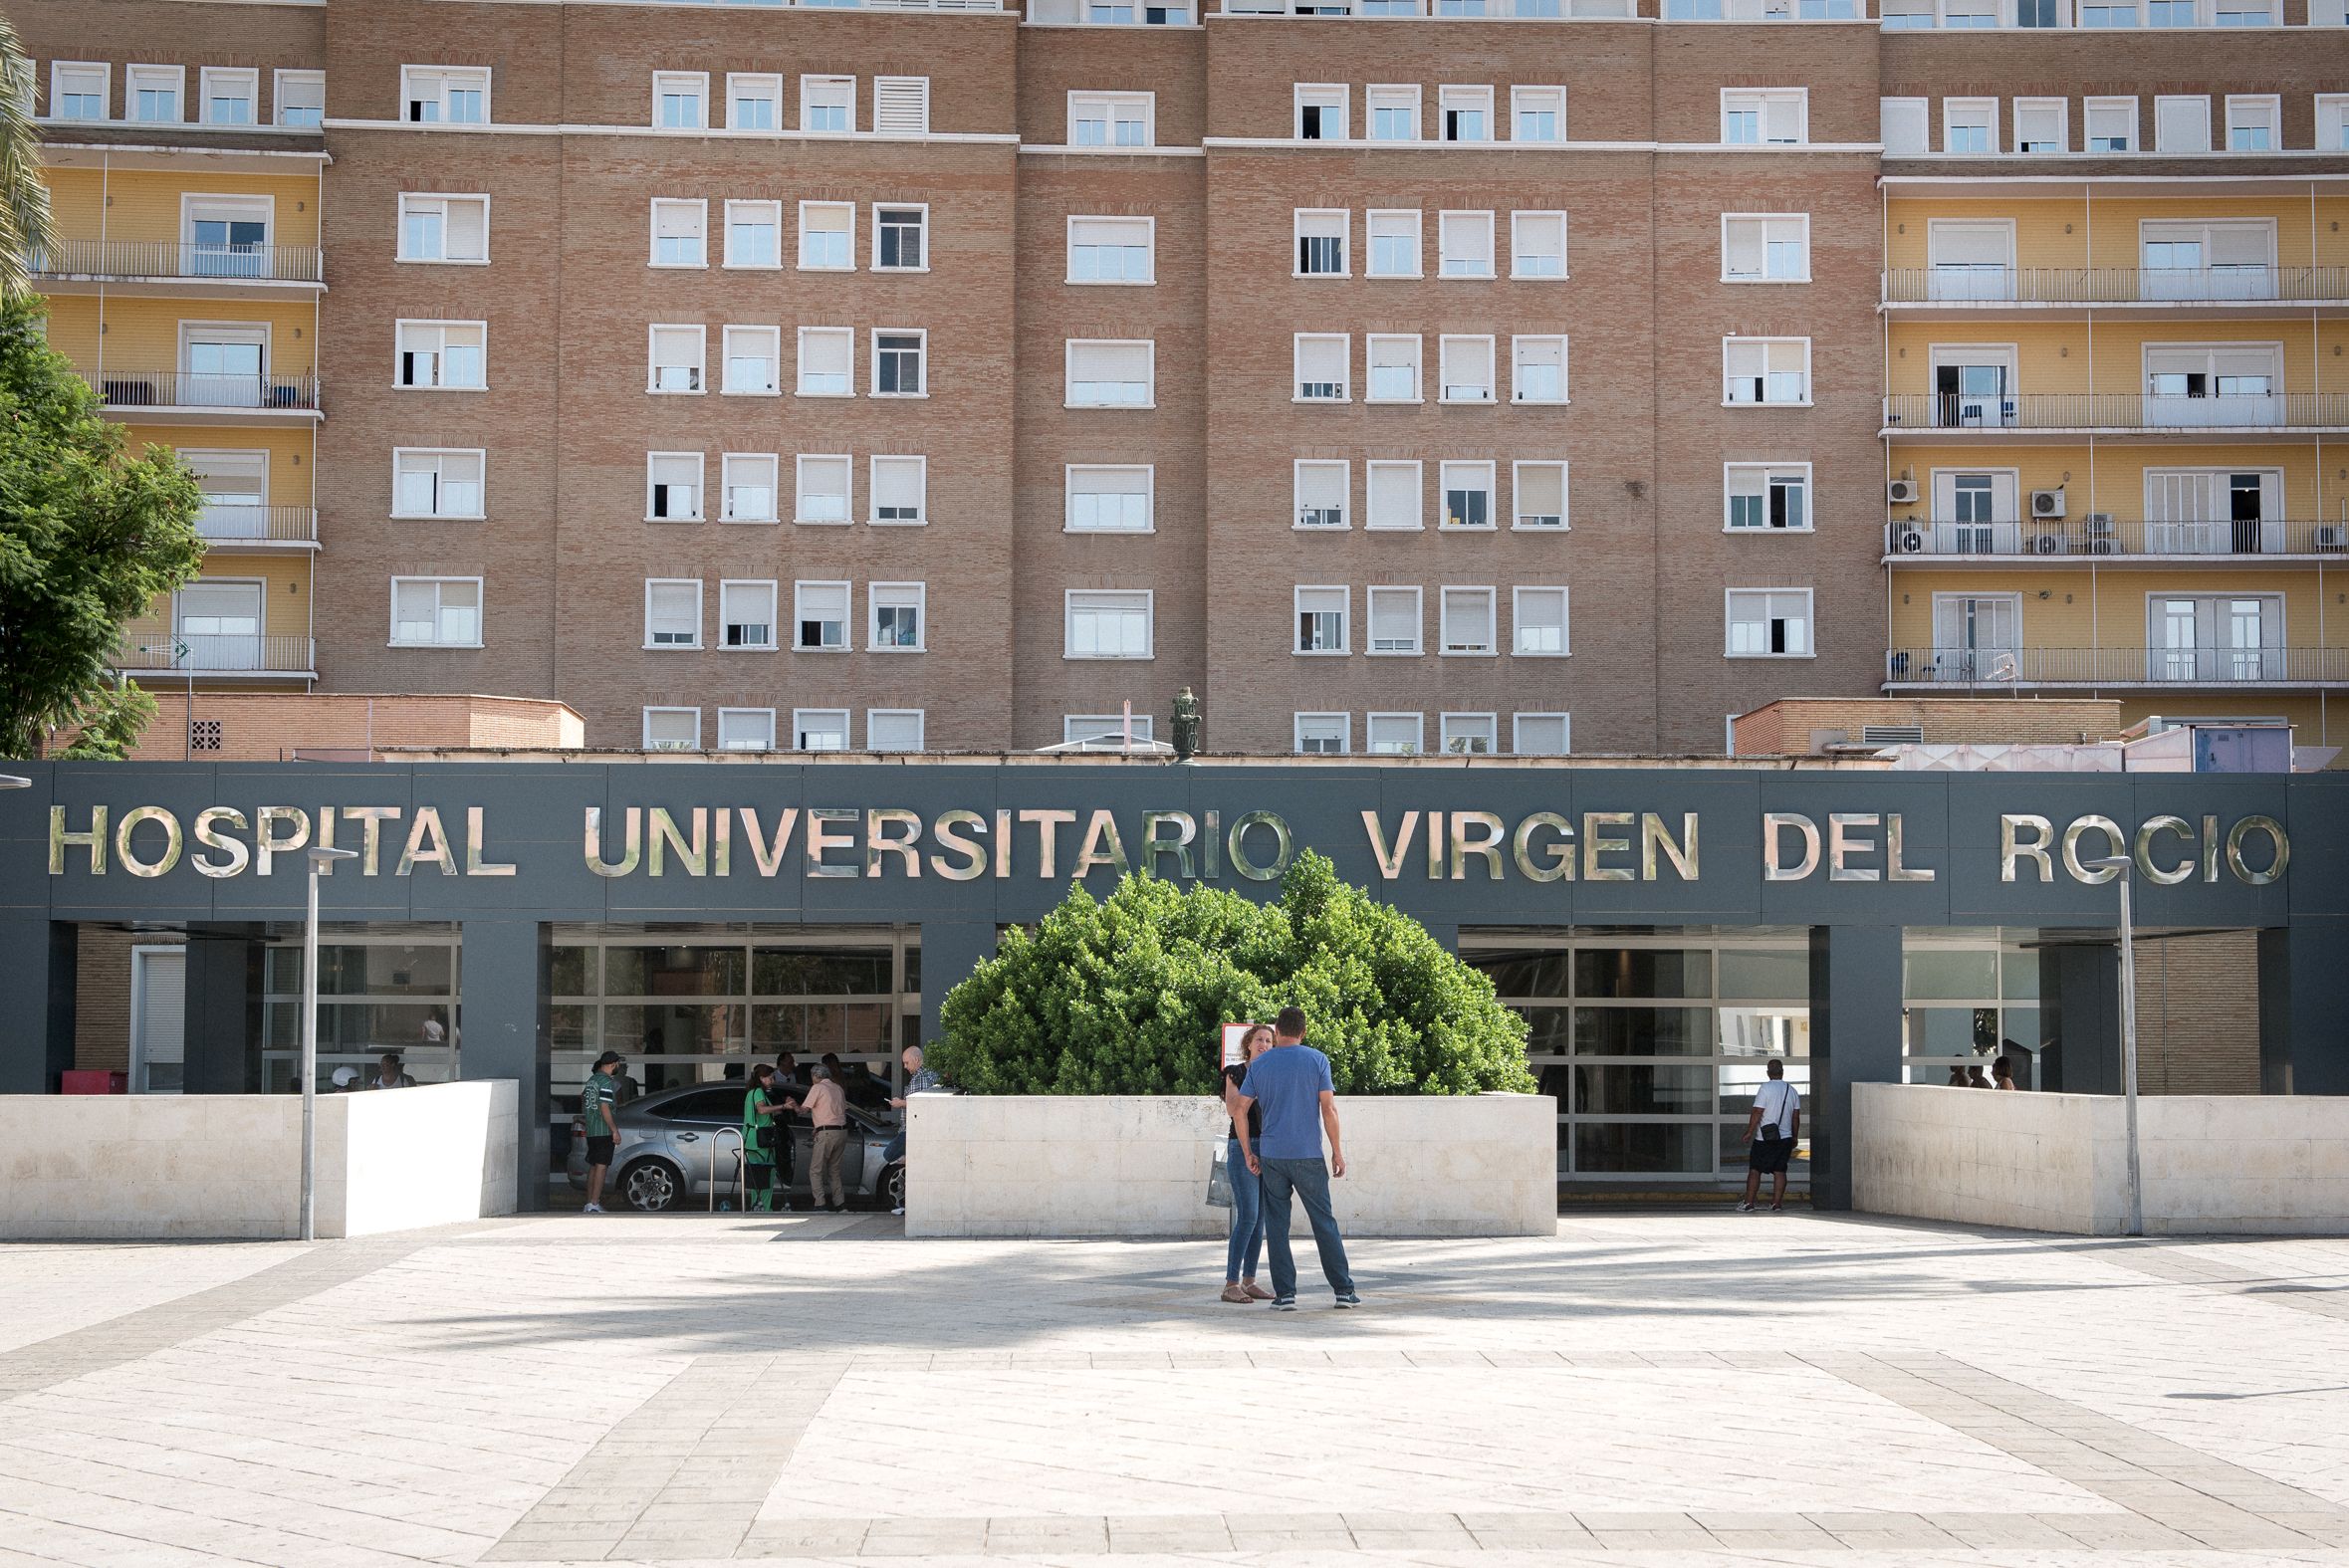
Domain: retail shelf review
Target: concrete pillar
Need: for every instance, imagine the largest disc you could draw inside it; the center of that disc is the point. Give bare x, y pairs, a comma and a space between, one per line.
2081, 1002
2303, 1002
224, 988
950, 951
37, 992
1855, 1037
502, 1034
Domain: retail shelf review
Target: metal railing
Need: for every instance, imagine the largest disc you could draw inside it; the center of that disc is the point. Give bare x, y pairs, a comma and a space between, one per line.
1997, 668
160, 259
2098, 535
2116, 412
2111, 284
185, 390
223, 652
233, 524
1552, 9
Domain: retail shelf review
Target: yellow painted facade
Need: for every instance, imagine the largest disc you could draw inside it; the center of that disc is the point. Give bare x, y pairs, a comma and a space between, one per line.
145, 333
2084, 608
288, 448
144, 204
284, 598
2108, 355
2109, 474
2107, 231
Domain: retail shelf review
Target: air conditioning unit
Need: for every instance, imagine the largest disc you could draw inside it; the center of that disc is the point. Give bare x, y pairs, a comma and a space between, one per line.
2047, 545
2101, 546
2100, 523
1901, 492
2047, 503
2332, 536
1908, 541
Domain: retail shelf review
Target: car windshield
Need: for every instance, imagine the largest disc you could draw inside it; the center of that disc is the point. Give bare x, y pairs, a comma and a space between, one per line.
702, 1105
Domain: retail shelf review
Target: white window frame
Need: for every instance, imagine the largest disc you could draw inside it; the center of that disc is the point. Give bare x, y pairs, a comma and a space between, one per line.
1516, 510
155, 78
742, 86
806, 722
1343, 722
1522, 219
1415, 747
2265, 110
1389, 97
899, 595
1297, 238
1761, 100
726, 623
774, 211
762, 737
746, 337
846, 334
2161, 144
818, 91
728, 463
1467, 594
848, 231
1808, 390
874, 250
412, 200
1731, 473
1372, 469
1528, 98
1318, 95
2091, 108
2063, 124
651, 745
1810, 622
1370, 241
1767, 220
1904, 125
480, 617
2330, 112
1068, 372
701, 494
800, 615
1371, 597
1461, 98
1475, 474
1110, 103
1452, 349
1149, 248
1346, 619
666, 84
692, 209
842, 465
209, 77
1069, 495
1566, 385
921, 360
1451, 726
480, 456
282, 87
920, 719
1952, 108
1467, 222
465, 79
1372, 344
1345, 493
700, 365
873, 487
1072, 599
1517, 732
400, 333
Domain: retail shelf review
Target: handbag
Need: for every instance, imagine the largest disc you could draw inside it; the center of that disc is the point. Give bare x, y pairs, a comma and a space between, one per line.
1218, 1176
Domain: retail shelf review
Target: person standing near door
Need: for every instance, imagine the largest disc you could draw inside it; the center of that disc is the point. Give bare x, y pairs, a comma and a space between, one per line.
598, 1101
828, 1111
762, 1138
1771, 1129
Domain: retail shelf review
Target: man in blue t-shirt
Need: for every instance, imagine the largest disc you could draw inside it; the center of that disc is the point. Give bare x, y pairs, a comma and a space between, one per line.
1290, 1085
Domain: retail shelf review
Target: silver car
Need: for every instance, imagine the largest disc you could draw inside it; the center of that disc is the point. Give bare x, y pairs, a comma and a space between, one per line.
672, 1144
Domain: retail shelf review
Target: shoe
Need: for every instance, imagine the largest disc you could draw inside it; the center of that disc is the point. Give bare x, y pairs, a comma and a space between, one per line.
1284, 1303
840, 1209
1746, 1209
1255, 1293
592, 1209
1350, 1299
1777, 1209
1235, 1293
899, 1210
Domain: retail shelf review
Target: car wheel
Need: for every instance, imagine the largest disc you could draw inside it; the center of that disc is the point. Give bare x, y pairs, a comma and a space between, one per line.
654, 1187
893, 1187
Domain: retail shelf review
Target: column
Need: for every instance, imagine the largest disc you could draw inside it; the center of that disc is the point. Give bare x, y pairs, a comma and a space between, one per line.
502, 1002
224, 988
2303, 1001
37, 994
2081, 991
950, 951
1855, 1037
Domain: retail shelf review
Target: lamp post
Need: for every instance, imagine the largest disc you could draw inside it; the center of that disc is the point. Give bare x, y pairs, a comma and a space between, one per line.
320, 859
2123, 867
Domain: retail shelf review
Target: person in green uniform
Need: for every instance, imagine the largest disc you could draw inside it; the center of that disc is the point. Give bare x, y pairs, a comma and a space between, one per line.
762, 1132
597, 1100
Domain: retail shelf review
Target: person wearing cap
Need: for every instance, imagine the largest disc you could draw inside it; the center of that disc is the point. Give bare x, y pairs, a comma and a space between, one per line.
346, 1079
596, 1103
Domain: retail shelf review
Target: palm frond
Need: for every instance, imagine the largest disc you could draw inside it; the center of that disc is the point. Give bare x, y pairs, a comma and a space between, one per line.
27, 229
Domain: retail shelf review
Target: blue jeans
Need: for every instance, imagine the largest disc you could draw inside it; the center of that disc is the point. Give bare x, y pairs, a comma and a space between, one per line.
1309, 1181
1248, 1218
895, 1150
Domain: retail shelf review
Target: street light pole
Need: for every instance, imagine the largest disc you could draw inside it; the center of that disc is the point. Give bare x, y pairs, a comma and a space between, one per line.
2122, 867
320, 859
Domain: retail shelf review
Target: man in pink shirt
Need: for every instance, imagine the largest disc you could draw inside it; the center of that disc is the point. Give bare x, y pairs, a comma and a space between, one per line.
827, 1110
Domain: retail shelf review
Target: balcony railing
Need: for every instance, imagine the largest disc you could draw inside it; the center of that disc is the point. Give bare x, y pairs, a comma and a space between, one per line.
227, 653
1997, 668
2111, 284
1552, 9
2097, 534
159, 259
243, 525
2116, 412
185, 390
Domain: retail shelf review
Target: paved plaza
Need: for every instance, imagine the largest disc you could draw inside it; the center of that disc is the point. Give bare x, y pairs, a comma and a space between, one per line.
1668, 1385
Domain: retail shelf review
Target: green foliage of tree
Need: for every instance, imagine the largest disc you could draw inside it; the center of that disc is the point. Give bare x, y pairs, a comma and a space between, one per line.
88, 538
1127, 994
111, 726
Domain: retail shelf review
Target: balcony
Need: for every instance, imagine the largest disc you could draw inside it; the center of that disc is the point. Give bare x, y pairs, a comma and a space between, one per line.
1550, 10
250, 528
2088, 414
2099, 537
1999, 669
155, 261
217, 653
2164, 289
205, 398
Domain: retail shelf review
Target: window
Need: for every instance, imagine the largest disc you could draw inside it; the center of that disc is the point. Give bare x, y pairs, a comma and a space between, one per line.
826, 355
672, 487
1540, 494
1540, 734
1103, 727
151, 94
901, 106
1763, 496
1764, 247
822, 613
749, 482
2042, 125
1393, 112
823, 493
1111, 250
677, 233
78, 92
2181, 125
1766, 623
1777, 117
442, 355
680, 99
754, 234
892, 729
828, 236
444, 229
820, 729
1394, 243
1321, 487
1536, 245
1107, 623
900, 239
2332, 121
1766, 370
1394, 369
1538, 113
1111, 119
1466, 369
2254, 123
2111, 125
754, 362
1538, 370
1394, 618
436, 483
1320, 112
1969, 125
672, 612
898, 609
1466, 617
1110, 374
1466, 734
677, 359
1464, 244
900, 361
2206, 637
828, 105
1466, 112
446, 95
2202, 259
899, 490
746, 614
1904, 127
672, 729
1322, 616
1391, 494
231, 96
1321, 236
1323, 734
436, 612
2212, 384
1468, 495
739, 729
1108, 500
2102, 13
1393, 733
753, 103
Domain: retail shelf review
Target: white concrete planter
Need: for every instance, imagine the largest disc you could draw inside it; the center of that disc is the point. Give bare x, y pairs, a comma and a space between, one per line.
1137, 1164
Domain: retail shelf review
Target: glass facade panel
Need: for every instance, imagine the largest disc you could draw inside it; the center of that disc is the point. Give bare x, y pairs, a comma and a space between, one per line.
1643, 1031
1764, 975
1642, 971
1644, 1148
1954, 974
391, 992
1642, 1090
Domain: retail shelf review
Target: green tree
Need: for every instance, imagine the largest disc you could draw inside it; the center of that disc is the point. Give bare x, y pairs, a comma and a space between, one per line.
88, 538
25, 225
1127, 995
